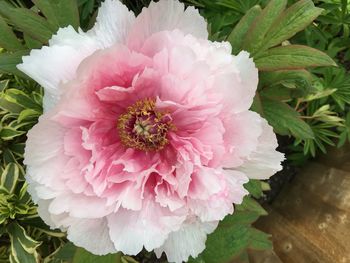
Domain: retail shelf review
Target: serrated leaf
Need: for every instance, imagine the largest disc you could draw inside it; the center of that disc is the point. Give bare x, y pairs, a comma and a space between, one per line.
9, 177
60, 13
23, 247
285, 120
9, 61
256, 34
292, 57
292, 20
239, 32
8, 39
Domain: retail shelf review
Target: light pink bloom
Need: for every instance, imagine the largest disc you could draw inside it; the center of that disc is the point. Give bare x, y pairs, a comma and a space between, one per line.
146, 138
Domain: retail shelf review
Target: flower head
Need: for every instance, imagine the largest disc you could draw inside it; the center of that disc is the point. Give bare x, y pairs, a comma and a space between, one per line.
146, 138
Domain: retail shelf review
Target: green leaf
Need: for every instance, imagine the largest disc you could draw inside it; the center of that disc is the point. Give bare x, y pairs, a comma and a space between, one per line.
9, 177
28, 22
259, 240
8, 133
28, 114
254, 188
66, 253
82, 256
9, 61
60, 13
293, 20
292, 57
256, 34
239, 32
235, 234
249, 204
23, 247
31, 43
269, 78
227, 242
19, 97
285, 120
8, 39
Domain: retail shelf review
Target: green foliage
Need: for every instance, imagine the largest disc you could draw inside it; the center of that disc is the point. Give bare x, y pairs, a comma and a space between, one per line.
23, 236
235, 234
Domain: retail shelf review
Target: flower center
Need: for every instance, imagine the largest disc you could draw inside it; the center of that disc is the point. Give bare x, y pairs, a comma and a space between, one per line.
144, 128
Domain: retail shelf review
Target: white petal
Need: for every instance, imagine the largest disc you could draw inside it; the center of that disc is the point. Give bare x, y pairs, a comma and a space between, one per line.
241, 136
131, 230
80, 206
44, 155
265, 161
57, 64
91, 234
51, 66
54, 221
220, 204
166, 15
113, 23
188, 241
245, 88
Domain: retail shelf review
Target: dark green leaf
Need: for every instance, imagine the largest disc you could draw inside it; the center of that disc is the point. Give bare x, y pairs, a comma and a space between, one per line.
292, 57
254, 188
239, 32
31, 43
8, 39
60, 13
21, 98
269, 78
9, 177
293, 20
9, 133
82, 256
256, 34
9, 61
249, 204
285, 120
28, 22
23, 247
259, 240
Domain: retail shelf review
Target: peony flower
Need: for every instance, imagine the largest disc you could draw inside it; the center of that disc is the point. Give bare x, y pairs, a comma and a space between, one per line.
146, 139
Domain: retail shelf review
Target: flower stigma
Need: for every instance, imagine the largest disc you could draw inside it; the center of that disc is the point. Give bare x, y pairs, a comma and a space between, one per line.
143, 127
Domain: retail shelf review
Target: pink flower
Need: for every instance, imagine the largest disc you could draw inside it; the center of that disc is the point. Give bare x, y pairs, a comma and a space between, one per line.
146, 138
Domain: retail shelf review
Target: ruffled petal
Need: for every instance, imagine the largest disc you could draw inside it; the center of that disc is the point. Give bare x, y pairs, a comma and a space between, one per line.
166, 15
44, 156
241, 137
57, 64
91, 234
188, 241
238, 81
113, 23
130, 231
265, 161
